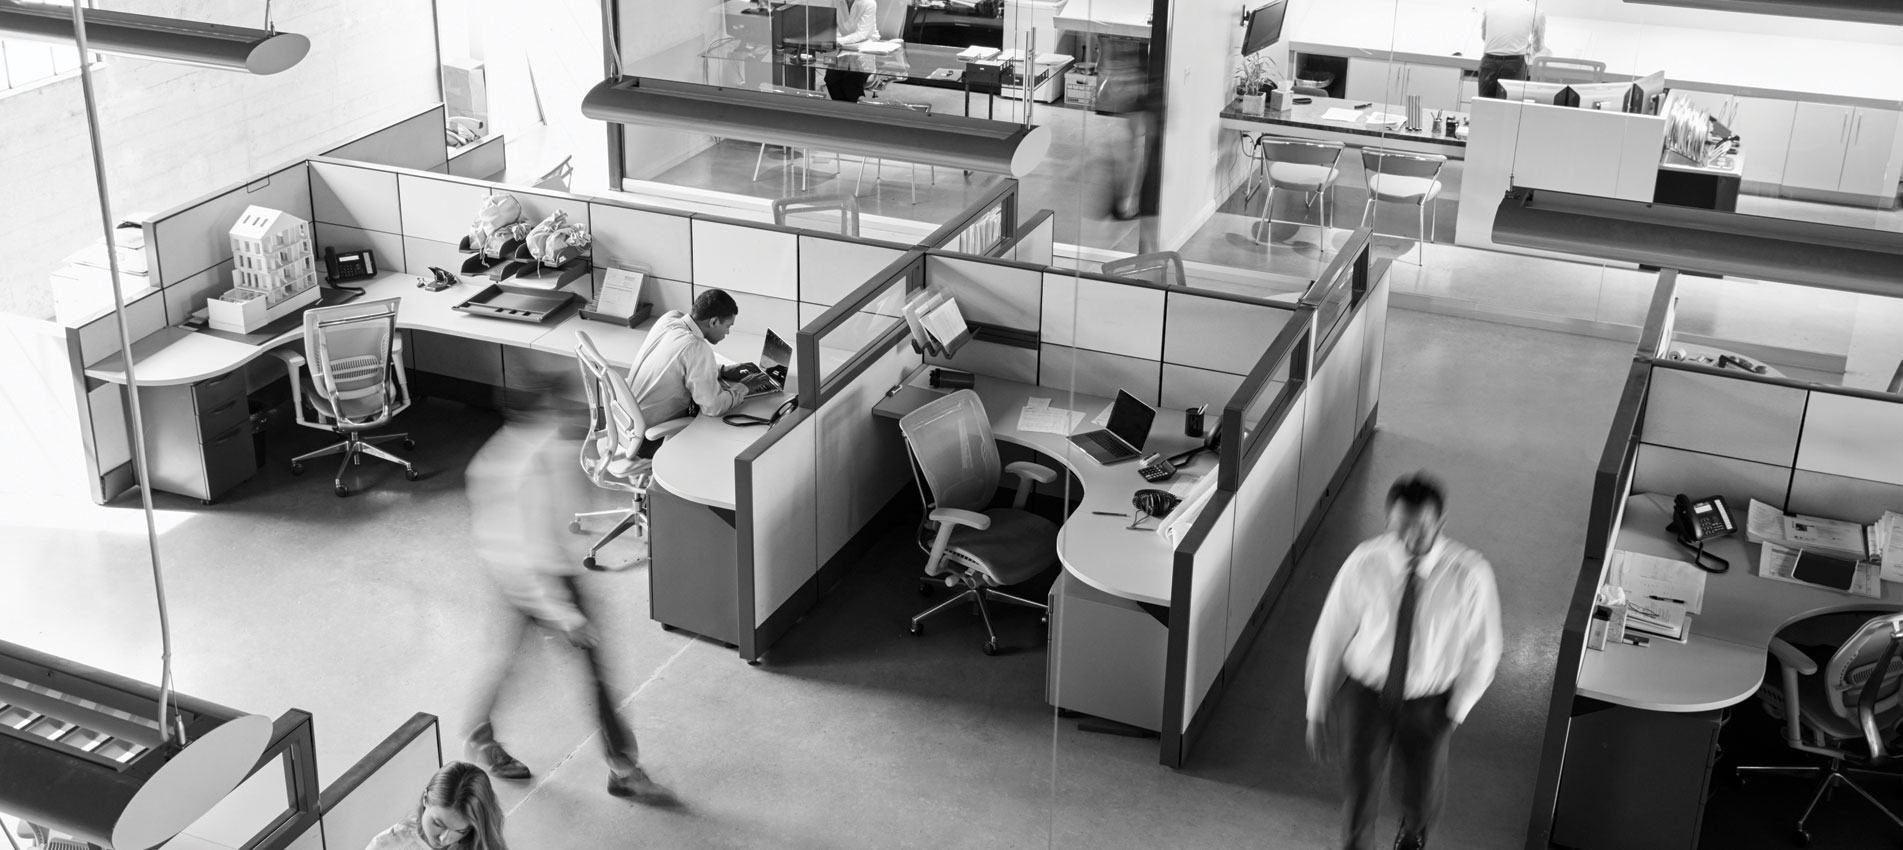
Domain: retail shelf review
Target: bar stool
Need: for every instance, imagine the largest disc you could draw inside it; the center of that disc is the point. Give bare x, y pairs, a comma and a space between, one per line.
1308, 167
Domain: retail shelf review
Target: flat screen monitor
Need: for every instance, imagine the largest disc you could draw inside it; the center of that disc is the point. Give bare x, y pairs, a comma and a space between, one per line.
1265, 26
1651, 93
1552, 94
1611, 97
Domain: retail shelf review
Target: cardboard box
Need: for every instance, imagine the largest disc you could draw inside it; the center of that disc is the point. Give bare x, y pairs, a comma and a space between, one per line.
1080, 89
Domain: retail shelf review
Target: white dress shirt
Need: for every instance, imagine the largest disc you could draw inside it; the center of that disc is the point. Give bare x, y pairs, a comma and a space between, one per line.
858, 21
677, 365
1456, 625
1513, 28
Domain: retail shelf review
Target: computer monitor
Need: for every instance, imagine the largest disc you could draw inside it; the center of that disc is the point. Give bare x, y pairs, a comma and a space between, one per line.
1554, 94
1651, 93
1611, 97
1265, 26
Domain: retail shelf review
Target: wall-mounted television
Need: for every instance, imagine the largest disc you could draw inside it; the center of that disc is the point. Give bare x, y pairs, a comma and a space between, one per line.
1264, 26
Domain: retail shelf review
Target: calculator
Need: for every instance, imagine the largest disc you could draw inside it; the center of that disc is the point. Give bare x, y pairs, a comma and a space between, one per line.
1156, 467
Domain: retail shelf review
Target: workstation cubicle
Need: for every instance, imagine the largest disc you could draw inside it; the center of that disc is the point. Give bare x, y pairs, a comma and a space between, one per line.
1632, 749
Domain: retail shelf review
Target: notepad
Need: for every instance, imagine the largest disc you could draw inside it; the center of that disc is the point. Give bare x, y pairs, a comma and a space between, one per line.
1339, 114
1656, 617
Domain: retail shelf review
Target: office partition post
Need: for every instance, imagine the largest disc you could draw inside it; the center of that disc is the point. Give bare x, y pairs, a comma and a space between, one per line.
1611, 480
1656, 337
1258, 400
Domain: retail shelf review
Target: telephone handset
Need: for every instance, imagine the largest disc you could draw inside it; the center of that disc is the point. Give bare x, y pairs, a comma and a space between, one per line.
349, 265
1695, 522
746, 419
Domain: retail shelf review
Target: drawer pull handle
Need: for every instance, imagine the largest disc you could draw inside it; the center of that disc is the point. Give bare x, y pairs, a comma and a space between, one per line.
222, 408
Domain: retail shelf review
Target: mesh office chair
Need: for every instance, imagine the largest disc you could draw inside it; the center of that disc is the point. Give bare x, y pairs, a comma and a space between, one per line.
821, 211
1555, 69
955, 460
1309, 91
608, 453
1163, 267
557, 178
1304, 166
1849, 714
1403, 178
352, 351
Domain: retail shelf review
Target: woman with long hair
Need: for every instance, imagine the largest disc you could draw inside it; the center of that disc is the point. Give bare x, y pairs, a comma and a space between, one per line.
458, 810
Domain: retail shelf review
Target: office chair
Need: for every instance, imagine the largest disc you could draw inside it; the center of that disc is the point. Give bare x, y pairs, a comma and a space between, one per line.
1555, 69
352, 351
1164, 267
1310, 91
955, 461
557, 177
1246, 141
878, 167
1403, 178
609, 452
847, 206
806, 168
1850, 713
1304, 166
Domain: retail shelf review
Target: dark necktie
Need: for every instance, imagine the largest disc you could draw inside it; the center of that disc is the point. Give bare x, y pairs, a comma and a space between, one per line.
1395, 689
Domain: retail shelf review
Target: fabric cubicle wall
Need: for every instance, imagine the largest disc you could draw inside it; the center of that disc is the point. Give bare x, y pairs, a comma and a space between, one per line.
379, 791
417, 142
1035, 242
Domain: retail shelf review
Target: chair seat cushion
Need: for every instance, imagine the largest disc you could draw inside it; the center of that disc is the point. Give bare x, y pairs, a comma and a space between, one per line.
1396, 188
1016, 547
354, 414
1292, 175
1817, 714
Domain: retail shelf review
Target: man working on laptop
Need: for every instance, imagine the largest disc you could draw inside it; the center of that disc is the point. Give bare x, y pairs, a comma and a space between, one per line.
676, 372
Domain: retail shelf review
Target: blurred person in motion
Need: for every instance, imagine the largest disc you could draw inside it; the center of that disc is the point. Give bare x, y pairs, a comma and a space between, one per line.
1126, 91
525, 485
458, 810
1373, 692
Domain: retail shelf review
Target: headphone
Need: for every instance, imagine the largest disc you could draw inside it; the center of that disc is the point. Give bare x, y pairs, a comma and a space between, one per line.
1153, 503
742, 420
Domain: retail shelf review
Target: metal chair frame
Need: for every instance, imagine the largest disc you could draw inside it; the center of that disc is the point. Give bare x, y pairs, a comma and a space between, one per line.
1376, 161
1307, 153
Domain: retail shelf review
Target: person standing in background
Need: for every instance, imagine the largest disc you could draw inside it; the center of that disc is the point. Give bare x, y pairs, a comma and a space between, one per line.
524, 488
1405, 693
858, 22
1515, 32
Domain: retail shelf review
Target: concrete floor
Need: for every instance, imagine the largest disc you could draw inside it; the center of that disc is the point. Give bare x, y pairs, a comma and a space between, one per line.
854, 734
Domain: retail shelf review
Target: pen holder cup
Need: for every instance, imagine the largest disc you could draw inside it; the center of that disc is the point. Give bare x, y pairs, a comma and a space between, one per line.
952, 379
1192, 422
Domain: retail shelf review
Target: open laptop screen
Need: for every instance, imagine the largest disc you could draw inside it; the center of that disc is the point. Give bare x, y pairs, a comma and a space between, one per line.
776, 356
1130, 419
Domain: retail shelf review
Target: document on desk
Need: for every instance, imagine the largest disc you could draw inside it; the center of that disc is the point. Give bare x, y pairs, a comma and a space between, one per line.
1887, 537
1049, 420
1650, 577
1767, 524
1336, 113
1780, 563
1657, 617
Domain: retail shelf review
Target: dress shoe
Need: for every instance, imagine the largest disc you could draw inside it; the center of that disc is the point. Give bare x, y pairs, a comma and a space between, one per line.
634, 783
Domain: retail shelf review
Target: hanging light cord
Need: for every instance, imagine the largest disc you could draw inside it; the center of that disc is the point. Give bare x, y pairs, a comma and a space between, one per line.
268, 27
165, 718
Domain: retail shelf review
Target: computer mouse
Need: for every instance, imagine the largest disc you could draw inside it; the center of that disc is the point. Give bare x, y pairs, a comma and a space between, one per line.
1304, 100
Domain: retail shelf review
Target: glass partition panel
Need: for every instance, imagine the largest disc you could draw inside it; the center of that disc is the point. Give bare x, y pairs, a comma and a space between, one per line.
1787, 330
861, 327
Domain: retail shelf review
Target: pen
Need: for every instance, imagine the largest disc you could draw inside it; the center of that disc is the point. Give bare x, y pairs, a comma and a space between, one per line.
1364, 105
1667, 599
1108, 513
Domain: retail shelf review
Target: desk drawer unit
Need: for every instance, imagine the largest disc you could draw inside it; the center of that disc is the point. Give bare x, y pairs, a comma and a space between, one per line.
1634, 779
198, 437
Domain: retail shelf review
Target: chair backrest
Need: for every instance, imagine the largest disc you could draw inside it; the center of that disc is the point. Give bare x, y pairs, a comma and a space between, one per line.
615, 426
846, 206
1299, 151
953, 452
1401, 163
1866, 670
557, 177
349, 348
1557, 69
1164, 267
1310, 91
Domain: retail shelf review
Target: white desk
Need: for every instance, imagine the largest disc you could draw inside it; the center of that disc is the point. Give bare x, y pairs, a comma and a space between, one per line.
1722, 662
1100, 551
697, 463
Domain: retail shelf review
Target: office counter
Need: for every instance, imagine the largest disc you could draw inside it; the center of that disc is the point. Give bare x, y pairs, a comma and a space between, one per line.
1305, 121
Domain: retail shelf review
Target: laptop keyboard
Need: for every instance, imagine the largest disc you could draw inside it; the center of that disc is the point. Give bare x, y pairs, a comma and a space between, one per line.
1102, 440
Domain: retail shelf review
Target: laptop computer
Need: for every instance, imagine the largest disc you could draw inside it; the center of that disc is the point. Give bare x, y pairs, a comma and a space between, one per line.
1123, 440
775, 359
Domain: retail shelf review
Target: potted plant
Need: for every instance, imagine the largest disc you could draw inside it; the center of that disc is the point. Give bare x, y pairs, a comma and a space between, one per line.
1253, 85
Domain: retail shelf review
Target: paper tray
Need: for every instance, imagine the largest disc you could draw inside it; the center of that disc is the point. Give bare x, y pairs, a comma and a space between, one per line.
522, 304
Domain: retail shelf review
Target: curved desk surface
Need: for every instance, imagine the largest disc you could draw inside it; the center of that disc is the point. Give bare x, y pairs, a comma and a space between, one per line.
1101, 551
697, 463
1722, 662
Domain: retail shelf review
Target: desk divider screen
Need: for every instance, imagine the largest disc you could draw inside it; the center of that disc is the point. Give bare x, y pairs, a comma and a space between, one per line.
382, 788
984, 228
863, 325
1035, 241
415, 142
776, 494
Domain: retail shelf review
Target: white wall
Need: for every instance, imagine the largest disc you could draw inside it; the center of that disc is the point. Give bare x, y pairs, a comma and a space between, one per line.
1205, 39
1666, 16
173, 132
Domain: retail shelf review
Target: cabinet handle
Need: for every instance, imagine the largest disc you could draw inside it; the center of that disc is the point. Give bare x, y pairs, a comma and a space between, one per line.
1843, 132
1856, 128
221, 408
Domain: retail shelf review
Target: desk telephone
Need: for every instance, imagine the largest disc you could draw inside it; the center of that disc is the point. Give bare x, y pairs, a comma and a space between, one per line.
1695, 522
349, 265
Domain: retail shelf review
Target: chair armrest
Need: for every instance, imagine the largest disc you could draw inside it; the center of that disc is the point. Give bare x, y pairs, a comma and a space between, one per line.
969, 519
293, 359
667, 429
1028, 472
1789, 656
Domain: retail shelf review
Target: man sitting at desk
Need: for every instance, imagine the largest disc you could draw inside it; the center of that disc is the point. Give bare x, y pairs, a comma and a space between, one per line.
675, 370
1514, 32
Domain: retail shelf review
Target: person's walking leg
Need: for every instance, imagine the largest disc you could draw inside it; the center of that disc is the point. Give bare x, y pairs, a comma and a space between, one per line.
480, 743
1363, 733
623, 752
1421, 744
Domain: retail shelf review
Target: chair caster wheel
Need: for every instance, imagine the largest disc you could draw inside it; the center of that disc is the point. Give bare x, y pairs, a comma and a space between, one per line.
408, 444
574, 527
667, 628
204, 501
342, 491
1802, 837
589, 563
297, 469
918, 628
411, 474
991, 647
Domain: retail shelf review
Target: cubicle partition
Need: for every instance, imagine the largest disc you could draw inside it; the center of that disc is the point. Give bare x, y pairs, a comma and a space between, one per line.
418, 142
1035, 241
379, 791
1684, 427
986, 225
1292, 431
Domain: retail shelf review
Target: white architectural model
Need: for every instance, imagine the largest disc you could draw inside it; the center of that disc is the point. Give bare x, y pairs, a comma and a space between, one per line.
273, 271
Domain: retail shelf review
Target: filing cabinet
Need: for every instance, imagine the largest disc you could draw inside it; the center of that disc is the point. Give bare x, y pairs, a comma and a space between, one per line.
198, 436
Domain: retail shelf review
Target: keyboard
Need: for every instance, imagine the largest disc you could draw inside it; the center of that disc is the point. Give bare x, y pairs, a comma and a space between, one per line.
1102, 440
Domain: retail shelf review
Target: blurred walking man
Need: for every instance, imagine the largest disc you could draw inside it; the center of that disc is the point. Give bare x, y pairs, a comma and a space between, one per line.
1375, 694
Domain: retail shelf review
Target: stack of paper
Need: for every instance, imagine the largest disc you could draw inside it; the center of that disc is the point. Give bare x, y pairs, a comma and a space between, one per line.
1656, 617
1650, 578
1766, 524
976, 53
1038, 415
1886, 539
877, 48
1783, 563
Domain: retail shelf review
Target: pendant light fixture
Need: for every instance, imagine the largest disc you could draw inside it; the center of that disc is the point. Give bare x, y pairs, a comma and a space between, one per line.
264, 51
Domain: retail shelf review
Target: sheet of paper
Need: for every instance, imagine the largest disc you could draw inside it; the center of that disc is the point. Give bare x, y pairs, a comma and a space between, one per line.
1385, 118
1889, 540
1336, 113
1102, 419
1648, 576
620, 291
1049, 420
1035, 403
1780, 563
1815, 533
1763, 523
877, 47
945, 322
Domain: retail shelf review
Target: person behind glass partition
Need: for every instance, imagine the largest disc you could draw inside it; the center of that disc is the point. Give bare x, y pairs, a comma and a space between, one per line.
858, 23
